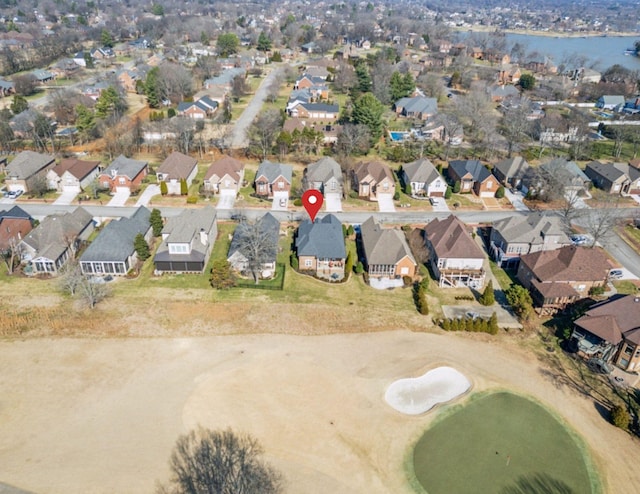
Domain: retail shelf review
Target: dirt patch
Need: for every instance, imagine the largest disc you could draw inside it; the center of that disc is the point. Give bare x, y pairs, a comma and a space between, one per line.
75, 412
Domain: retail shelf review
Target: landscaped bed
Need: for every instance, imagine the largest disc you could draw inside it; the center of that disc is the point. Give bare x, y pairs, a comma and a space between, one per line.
502, 443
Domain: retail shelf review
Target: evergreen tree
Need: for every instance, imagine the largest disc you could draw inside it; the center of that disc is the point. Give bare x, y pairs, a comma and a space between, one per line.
85, 120
221, 277
109, 103
141, 247
106, 39
367, 110
18, 104
156, 221
359, 268
264, 43
364, 79
448, 192
520, 301
184, 188
348, 264
227, 44
88, 60
152, 88
456, 187
488, 296
493, 324
164, 190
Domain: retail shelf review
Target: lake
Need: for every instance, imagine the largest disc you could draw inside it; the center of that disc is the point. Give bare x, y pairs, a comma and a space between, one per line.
600, 52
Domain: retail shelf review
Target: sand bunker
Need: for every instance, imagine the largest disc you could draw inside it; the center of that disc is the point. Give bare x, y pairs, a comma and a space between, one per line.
417, 395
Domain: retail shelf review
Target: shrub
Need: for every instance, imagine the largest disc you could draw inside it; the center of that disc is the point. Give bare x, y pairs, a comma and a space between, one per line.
456, 187
164, 190
596, 290
488, 296
420, 299
353, 194
184, 188
620, 417
359, 268
407, 280
171, 112
500, 192
350, 230
297, 202
192, 199
493, 324
348, 264
396, 196
294, 261
407, 189
448, 192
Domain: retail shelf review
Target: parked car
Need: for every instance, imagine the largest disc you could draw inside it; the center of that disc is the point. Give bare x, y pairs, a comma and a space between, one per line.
579, 239
615, 274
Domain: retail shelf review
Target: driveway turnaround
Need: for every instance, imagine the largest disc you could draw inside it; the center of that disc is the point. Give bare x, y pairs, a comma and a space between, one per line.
227, 199
385, 203
120, 197
149, 192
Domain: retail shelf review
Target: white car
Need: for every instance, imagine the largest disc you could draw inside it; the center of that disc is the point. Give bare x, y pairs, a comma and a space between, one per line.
615, 274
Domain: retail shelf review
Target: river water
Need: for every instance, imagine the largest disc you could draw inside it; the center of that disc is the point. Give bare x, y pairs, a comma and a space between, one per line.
599, 52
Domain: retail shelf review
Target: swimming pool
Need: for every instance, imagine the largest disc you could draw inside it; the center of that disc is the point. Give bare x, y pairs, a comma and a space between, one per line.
398, 136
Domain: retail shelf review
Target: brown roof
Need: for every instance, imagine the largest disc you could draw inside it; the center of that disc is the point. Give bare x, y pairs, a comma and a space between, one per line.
75, 167
625, 309
451, 239
177, 166
378, 171
604, 327
569, 263
226, 165
555, 290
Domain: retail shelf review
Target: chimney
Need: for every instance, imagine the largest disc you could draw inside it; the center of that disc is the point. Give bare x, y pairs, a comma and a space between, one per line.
203, 236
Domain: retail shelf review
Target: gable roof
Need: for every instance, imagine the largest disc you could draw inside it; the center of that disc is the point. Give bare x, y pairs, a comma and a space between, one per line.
451, 239
323, 170
52, 237
477, 170
115, 241
321, 107
421, 171
177, 166
27, 164
563, 169
322, 239
273, 170
512, 167
78, 168
125, 167
612, 99
418, 104
378, 171
569, 263
226, 165
607, 171
225, 77
267, 225
531, 229
16, 212
383, 245
185, 229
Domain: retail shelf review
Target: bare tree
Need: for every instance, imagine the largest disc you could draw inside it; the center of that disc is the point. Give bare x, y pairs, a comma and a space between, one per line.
345, 78
184, 130
220, 462
239, 87
11, 254
353, 139
70, 277
258, 245
263, 131
175, 82
514, 125
599, 222
91, 291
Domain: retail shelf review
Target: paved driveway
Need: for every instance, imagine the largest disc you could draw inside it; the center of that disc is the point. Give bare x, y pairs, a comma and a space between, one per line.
636, 198
516, 200
147, 194
227, 199
385, 203
67, 196
280, 201
332, 202
120, 197
440, 204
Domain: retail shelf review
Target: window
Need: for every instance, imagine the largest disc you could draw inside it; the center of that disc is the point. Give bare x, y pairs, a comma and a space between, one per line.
122, 181
404, 271
308, 263
178, 249
580, 288
281, 184
628, 350
489, 184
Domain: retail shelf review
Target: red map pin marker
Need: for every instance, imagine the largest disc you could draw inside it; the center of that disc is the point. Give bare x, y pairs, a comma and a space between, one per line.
312, 202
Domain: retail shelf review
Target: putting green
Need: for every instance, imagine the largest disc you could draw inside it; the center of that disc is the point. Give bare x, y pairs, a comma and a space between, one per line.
502, 443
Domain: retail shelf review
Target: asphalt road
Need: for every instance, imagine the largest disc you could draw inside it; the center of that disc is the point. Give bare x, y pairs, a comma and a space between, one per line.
239, 138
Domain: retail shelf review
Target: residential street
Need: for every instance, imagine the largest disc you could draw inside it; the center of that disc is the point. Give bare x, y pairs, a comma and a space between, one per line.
239, 136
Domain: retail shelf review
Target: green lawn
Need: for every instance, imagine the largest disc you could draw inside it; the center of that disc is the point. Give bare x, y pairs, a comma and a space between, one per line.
502, 443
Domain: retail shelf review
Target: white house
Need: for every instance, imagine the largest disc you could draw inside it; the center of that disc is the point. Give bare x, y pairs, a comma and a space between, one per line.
424, 178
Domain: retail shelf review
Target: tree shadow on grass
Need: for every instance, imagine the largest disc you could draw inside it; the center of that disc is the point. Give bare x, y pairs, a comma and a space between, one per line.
604, 411
538, 483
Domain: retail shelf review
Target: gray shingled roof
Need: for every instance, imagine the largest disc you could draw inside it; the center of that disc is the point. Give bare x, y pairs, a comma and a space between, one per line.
605, 170
50, 239
273, 170
421, 171
383, 245
268, 224
177, 166
185, 229
531, 229
321, 107
564, 170
323, 170
125, 166
27, 164
16, 212
477, 170
115, 241
512, 167
418, 104
322, 239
